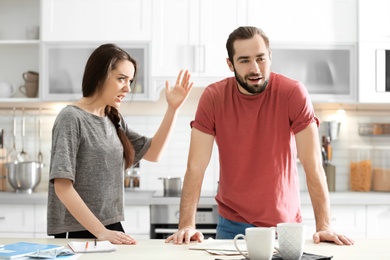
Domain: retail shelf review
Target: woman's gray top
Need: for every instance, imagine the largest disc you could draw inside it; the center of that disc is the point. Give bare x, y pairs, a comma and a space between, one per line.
86, 149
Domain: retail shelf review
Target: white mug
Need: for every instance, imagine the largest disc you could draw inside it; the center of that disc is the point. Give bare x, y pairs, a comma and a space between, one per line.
291, 238
259, 243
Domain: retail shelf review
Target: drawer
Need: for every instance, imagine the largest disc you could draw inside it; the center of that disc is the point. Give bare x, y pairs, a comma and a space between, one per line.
16, 218
345, 219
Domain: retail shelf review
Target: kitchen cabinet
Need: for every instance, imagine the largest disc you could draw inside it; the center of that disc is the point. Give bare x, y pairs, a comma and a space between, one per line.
187, 35
374, 36
327, 71
18, 52
63, 66
345, 219
378, 221
16, 220
374, 20
305, 21
40, 224
369, 91
137, 221
96, 20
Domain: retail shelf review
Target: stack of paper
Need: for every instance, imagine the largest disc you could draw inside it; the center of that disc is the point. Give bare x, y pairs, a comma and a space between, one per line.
220, 246
90, 247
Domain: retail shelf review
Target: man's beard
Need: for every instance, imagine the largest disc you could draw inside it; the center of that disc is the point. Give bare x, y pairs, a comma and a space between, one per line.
254, 89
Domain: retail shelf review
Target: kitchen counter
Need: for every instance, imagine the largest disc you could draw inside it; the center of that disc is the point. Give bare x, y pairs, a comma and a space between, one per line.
145, 198
157, 249
132, 197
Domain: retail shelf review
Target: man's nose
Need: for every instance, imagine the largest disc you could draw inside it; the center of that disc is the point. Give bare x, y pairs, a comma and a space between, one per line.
254, 67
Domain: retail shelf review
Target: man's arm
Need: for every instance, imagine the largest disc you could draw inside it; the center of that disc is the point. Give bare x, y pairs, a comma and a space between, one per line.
198, 159
309, 153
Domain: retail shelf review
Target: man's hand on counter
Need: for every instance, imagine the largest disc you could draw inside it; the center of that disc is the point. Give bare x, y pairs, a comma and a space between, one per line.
331, 236
185, 235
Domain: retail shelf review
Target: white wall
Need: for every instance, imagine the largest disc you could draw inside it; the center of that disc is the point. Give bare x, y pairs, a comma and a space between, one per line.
145, 118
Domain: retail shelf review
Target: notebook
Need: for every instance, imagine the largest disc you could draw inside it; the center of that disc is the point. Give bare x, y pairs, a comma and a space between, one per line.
20, 249
90, 247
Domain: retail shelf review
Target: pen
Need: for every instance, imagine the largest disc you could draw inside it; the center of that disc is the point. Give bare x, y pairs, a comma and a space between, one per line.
86, 246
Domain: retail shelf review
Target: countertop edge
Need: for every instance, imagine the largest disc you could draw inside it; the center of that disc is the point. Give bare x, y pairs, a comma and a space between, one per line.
145, 198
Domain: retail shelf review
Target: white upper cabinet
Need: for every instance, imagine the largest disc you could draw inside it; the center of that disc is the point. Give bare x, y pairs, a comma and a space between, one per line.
327, 71
374, 38
192, 34
19, 48
324, 21
374, 20
96, 20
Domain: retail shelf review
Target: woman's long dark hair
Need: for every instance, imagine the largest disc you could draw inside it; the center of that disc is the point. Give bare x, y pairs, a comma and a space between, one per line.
101, 62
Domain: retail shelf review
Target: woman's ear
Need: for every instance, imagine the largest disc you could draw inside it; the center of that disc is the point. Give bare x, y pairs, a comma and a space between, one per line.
230, 64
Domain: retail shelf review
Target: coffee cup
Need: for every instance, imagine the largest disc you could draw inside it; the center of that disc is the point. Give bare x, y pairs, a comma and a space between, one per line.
259, 243
29, 89
291, 239
30, 76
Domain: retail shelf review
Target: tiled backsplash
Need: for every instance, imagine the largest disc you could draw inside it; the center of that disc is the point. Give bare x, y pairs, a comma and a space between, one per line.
174, 161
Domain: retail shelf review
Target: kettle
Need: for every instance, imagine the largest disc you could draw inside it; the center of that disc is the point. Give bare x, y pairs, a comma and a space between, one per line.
6, 89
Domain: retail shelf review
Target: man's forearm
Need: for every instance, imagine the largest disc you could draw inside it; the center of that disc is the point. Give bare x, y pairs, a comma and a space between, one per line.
321, 206
189, 201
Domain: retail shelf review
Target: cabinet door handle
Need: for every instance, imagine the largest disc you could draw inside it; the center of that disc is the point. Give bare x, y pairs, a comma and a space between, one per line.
2, 218
199, 58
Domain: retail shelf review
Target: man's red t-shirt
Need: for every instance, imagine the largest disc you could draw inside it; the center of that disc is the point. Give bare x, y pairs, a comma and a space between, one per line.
258, 180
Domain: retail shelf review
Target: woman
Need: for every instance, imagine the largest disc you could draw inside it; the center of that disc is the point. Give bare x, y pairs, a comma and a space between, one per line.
92, 146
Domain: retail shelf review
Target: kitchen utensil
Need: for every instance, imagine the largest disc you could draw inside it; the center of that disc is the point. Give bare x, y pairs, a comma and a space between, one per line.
23, 156
333, 129
12, 155
6, 89
3, 175
40, 154
24, 177
172, 186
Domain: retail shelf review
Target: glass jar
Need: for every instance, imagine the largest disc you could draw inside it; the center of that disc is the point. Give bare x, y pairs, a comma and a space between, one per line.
381, 169
360, 167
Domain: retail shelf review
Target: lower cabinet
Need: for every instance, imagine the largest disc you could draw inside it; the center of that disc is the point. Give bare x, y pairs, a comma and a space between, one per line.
40, 225
349, 220
30, 221
356, 221
16, 221
137, 221
378, 221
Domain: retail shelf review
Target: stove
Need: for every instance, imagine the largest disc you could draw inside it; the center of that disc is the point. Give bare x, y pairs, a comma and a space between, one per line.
165, 211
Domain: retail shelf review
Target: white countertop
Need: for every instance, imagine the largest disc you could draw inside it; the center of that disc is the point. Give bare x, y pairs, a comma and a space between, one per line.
145, 198
158, 249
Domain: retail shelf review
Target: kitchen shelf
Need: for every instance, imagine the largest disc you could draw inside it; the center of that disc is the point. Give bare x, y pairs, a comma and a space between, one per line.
374, 129
19, 42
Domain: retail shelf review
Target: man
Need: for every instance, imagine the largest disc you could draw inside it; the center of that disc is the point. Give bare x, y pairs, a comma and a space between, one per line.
261, 121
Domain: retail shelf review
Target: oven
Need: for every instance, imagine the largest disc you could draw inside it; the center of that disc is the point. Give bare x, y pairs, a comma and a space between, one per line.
164, 216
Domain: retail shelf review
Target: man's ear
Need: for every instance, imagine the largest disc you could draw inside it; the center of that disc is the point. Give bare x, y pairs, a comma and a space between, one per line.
270, 55
229, 63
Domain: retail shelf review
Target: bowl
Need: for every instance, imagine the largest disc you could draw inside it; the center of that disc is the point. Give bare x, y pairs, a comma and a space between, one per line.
24, 177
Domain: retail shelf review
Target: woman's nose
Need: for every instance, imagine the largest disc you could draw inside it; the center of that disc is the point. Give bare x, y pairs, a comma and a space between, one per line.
127, 87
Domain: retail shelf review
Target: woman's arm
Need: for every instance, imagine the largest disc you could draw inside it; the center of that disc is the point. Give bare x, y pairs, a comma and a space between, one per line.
73, 202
